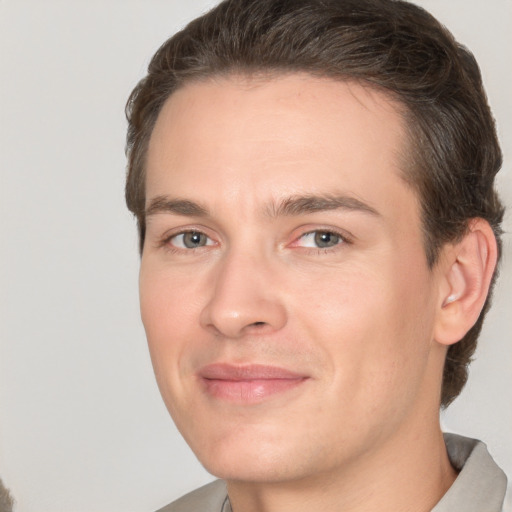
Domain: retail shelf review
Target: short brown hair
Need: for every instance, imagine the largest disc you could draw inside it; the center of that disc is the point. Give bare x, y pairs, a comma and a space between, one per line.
393, 45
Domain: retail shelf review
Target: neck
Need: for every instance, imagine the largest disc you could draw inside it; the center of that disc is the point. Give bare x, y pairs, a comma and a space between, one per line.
411, 472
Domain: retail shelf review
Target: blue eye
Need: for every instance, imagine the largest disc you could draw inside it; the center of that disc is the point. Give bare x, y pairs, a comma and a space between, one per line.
190, 240
320, 239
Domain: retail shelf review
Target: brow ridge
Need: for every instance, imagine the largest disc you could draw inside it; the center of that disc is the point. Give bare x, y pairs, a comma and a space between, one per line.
311, 203
290, 206
185, 207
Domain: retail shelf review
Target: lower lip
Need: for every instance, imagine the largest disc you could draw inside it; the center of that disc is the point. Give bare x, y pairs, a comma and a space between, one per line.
250, 391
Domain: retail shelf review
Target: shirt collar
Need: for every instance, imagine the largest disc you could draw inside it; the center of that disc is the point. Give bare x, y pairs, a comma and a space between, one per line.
480, 485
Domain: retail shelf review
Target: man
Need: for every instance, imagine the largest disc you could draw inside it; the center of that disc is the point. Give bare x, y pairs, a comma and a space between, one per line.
319, 230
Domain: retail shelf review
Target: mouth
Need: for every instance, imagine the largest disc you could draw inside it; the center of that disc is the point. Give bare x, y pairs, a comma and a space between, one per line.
246, 384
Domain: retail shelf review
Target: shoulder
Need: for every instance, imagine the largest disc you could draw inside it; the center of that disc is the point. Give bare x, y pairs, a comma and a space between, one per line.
209, 498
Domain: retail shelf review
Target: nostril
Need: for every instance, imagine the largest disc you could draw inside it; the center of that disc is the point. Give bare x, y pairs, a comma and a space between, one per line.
258, 324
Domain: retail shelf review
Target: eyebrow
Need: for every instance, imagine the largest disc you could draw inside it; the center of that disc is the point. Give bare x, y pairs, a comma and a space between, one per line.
291, 206
164, 204
301, 205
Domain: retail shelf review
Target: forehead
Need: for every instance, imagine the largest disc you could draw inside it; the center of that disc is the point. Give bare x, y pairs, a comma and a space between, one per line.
261, 139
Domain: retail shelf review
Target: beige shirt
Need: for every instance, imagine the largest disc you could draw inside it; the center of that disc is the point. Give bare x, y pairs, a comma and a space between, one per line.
479, 487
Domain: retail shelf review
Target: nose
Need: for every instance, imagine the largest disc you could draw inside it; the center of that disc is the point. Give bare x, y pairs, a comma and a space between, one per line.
244, 298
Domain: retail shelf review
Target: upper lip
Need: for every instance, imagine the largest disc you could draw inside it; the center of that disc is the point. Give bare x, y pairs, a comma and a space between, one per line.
247, 372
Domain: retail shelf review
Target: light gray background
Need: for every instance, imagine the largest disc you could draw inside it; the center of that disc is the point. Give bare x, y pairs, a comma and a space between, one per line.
82, 427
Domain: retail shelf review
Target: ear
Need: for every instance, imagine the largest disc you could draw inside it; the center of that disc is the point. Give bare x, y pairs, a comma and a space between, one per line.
466, 274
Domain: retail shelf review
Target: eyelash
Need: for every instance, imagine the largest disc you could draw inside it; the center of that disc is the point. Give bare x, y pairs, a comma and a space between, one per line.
344, 240
166, 241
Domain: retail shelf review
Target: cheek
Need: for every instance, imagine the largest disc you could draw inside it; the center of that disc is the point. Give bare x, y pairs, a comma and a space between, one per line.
167, 302
165, 313
170, 319
372, 326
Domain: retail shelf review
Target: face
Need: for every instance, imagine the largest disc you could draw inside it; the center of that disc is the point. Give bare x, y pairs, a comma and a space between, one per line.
285, 294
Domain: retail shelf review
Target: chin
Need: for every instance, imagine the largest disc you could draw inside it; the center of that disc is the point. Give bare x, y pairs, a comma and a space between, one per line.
252, 470
251, 457
259, 458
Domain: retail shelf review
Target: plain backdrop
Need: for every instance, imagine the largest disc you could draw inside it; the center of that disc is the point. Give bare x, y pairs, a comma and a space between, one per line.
82, 426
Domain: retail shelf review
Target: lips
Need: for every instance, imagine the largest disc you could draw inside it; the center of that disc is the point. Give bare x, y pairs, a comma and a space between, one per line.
248, 383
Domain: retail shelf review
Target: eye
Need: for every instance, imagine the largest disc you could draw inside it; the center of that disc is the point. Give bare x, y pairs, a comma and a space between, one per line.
190, 240
320, 239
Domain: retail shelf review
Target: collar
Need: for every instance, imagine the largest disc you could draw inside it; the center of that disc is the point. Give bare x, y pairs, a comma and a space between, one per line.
481, 484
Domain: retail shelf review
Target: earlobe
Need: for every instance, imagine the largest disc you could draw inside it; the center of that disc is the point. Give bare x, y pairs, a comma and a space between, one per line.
467, 274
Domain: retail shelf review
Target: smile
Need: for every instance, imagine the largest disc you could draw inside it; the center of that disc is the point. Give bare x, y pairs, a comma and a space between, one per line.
247, 384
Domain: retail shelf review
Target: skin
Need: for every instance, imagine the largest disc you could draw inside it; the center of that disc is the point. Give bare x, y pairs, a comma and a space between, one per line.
358, 320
